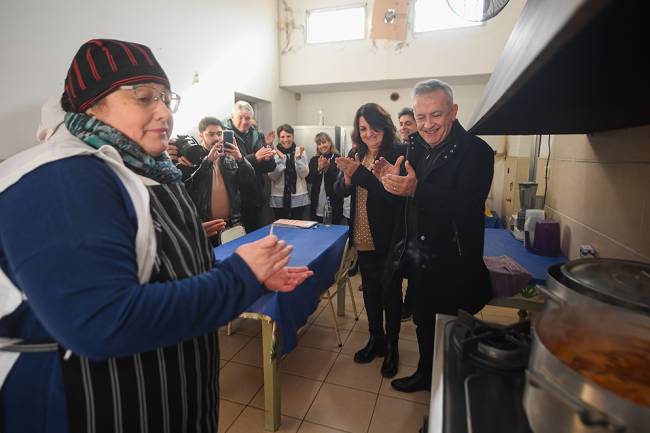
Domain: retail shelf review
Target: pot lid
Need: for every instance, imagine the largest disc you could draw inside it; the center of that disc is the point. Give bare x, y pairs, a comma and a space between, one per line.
624, 282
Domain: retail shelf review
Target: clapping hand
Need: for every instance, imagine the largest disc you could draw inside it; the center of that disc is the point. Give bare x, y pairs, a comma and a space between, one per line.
348, 166
264, 153
382, 167
299, 151
213, 227
269, 137
323, 163
287, 278
279, 153
265, 257
395, 184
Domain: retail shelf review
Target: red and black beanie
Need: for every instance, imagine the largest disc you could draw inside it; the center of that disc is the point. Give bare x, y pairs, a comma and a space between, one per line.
103, 65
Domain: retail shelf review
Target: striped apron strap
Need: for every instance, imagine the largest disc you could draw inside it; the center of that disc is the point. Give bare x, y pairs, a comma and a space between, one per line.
168, 390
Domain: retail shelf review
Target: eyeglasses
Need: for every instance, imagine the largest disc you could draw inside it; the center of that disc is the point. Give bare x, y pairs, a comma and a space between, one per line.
148, 96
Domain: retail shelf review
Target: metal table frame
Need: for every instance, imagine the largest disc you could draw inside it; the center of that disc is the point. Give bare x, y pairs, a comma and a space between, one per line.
272, 401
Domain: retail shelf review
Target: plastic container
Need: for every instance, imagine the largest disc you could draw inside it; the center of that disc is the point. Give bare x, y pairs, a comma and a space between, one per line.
327, 213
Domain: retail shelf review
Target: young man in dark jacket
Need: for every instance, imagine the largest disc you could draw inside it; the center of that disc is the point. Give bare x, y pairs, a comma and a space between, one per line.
440, 238
216, 184
256, 148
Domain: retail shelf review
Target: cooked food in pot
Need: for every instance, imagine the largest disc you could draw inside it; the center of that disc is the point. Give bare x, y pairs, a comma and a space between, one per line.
610, 349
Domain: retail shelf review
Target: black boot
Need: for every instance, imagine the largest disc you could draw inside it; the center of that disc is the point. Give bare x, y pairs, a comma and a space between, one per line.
376, 347
389, 366
417, 382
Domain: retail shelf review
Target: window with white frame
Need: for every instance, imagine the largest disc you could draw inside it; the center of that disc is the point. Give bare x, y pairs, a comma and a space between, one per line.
336, 24
433, 15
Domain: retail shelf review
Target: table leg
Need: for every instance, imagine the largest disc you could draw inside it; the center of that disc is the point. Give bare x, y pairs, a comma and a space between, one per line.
340, 297
271, 382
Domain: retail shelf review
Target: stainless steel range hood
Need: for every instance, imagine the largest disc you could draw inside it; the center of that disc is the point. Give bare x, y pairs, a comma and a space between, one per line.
570, 66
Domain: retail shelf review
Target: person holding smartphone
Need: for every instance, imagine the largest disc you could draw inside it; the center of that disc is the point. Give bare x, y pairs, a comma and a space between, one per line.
257, 149
322, 176
216, 183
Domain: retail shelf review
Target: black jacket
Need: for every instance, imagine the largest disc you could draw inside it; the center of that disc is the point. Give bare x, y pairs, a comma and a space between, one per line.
249, 143
237, 176
446, 246
315, 178
382, 208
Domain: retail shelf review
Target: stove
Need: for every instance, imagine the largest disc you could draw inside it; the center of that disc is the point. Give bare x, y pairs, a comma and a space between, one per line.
478, 376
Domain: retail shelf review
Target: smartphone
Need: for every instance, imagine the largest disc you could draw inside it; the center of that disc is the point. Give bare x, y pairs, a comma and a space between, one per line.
228, 136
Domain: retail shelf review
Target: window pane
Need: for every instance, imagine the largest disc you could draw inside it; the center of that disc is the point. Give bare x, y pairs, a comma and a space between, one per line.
336, 24
437, 15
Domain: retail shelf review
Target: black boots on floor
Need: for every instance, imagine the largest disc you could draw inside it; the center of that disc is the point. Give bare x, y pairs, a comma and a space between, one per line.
414, 383
378, 347
389, 366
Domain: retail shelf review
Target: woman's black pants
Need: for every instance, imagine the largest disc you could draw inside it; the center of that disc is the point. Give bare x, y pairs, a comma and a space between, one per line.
379, 299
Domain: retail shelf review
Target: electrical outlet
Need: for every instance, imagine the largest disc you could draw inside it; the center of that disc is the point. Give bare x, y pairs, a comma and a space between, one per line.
587, 251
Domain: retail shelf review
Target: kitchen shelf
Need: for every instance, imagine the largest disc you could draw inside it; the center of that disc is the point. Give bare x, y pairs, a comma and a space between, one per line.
569, 67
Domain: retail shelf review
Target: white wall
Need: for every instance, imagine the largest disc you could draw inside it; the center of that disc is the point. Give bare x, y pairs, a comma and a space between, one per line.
457, 52
339, 107
232, 45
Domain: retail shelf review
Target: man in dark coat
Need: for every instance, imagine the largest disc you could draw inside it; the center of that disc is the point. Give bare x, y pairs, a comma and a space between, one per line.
448, 177
256, 148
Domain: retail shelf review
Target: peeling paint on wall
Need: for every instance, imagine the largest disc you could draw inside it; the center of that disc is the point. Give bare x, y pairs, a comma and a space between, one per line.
292, 16
289, 30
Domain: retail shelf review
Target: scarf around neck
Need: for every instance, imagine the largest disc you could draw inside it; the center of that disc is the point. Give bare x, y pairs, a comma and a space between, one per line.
96, 134
290, 175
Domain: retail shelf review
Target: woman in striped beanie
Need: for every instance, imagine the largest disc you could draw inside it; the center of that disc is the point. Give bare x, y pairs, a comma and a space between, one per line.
106, 273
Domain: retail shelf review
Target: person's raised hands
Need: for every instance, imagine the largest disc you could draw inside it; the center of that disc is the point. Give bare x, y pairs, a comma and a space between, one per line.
265, 257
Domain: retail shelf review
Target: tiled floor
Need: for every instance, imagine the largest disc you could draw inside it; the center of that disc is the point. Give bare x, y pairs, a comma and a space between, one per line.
323, 390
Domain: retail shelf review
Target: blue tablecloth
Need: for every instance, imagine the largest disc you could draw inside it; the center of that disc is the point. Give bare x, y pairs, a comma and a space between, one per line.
321, 249
501, 242
493, 222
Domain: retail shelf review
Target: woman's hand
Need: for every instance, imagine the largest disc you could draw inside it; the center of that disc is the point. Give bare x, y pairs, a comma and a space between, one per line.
299, 151
348, 165
280, 154
287, 278
323, 163
381, 167
213, 227
265, 257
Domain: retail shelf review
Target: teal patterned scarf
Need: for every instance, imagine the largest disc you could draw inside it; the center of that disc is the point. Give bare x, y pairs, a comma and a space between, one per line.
96, 133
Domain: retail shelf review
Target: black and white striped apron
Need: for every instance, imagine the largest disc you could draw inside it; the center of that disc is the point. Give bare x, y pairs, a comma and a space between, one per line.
169, 390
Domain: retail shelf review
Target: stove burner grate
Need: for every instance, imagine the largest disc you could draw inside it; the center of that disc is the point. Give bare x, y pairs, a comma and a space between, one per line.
496, 347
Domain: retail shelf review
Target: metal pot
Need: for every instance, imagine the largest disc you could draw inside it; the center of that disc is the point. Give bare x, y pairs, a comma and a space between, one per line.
623, 283
559, 399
